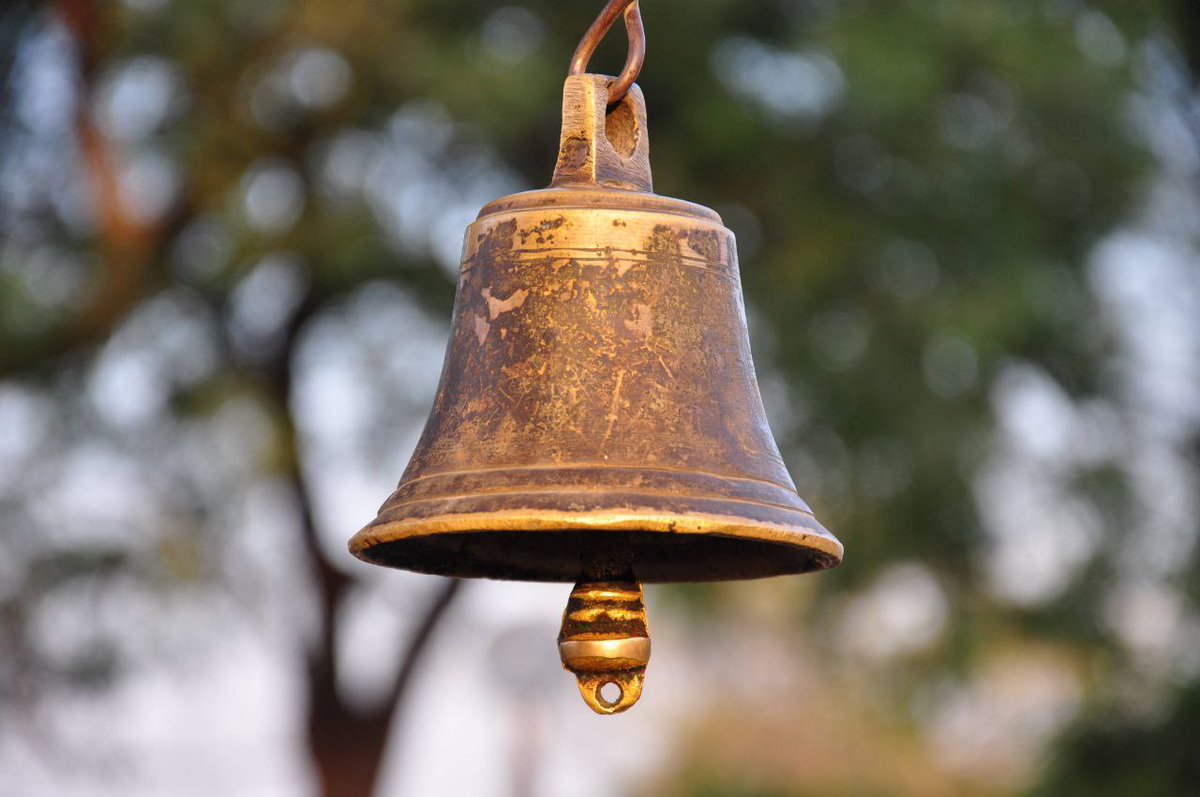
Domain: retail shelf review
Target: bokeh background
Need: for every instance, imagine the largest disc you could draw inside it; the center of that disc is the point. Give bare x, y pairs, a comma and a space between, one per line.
970, 244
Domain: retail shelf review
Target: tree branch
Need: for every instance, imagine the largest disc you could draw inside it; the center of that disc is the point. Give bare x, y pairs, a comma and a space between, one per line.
347, 746
331, 581
442, 599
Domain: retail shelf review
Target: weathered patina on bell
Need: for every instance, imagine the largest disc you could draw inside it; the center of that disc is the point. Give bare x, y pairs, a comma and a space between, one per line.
598, 419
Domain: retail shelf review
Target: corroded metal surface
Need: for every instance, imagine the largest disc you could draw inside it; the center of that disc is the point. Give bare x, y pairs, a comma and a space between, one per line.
598, 411
605, 644
598, 418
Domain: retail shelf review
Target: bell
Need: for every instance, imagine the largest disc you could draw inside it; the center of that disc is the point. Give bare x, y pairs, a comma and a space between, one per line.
598, 419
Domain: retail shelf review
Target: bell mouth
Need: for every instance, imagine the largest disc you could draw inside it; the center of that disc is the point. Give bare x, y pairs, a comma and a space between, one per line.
653, 549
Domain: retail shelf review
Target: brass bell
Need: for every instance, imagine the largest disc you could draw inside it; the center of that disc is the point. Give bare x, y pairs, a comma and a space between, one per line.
598, 418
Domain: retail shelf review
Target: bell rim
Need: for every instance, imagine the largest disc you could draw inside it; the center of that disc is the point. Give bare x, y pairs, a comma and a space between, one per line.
824, 549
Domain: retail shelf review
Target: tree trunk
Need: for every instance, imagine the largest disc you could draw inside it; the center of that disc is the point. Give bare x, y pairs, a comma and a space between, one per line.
347, 748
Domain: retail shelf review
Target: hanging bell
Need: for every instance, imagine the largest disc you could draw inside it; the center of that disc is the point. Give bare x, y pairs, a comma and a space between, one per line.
598, 419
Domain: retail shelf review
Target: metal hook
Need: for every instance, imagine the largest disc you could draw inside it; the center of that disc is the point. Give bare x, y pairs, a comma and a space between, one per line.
637, 45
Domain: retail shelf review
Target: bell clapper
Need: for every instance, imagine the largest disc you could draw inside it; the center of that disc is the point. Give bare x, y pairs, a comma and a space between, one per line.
605, 644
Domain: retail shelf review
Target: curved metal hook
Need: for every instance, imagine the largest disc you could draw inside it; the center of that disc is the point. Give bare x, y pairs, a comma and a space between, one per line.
637, 45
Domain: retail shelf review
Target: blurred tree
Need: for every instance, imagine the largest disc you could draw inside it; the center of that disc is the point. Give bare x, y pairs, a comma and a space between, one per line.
1103, 759
193, 193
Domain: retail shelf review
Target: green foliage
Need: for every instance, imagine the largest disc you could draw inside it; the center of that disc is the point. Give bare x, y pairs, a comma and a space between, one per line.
1108, 757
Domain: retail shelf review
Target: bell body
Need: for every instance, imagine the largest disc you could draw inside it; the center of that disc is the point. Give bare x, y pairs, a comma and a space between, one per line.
598, 414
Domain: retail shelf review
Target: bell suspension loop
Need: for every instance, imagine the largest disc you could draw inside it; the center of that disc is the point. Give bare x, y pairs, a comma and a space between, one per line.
596, 32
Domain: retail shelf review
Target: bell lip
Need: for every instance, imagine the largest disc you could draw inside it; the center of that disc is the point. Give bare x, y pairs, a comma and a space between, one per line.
825, 549
592, 197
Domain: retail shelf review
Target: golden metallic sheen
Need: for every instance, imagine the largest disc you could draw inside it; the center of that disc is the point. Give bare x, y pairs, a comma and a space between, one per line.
605, 644
598, 418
